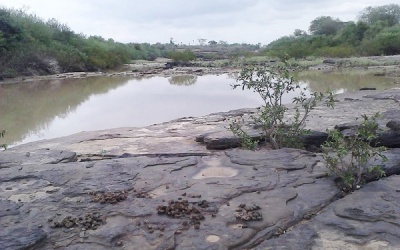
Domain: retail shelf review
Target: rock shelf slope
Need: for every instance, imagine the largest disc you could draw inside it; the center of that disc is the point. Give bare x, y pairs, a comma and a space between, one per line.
166, 187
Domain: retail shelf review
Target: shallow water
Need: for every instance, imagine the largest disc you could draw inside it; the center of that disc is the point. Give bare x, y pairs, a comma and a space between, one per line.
48, 109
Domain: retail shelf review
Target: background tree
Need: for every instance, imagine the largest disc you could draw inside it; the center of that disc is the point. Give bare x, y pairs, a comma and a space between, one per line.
299, 32
325, 25
202, 41
212, 42
389, 13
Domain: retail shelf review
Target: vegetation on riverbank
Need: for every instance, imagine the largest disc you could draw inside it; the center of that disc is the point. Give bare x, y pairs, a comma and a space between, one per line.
376, 32
29, 45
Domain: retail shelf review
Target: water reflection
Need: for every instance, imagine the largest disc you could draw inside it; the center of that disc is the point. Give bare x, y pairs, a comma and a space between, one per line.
183, 80
43, 110
48, 109
344, 81
29, 108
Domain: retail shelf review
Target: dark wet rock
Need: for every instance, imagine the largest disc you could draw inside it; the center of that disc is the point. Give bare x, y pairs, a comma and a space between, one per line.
345, 126
329, 61
394, 125
390, 139
314, 139
367, 88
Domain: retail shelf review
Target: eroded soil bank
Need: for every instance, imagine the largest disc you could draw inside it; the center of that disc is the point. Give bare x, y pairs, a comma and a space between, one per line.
167, 187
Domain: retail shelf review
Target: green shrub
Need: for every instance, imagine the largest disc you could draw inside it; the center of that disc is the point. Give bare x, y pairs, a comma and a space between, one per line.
338, 51
181, 56
347, 157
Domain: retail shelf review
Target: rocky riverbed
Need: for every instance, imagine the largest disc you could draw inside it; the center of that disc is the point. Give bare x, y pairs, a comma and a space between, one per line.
181, 185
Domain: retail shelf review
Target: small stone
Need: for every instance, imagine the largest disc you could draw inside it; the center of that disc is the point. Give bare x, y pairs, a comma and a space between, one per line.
8, 188
196, 226
167, 187
119, 244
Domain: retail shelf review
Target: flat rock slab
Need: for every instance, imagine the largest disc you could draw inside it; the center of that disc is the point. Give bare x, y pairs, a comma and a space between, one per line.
157, 188
35, 196
366, 219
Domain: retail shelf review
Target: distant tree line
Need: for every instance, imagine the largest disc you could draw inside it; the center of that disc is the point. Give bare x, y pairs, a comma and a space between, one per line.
29, 45
375, 32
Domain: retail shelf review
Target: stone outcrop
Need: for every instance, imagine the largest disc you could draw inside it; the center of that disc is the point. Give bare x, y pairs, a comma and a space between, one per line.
167, 186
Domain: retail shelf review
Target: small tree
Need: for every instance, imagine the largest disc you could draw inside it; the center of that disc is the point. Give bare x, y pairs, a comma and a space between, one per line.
389, 13
325, 25
272, 84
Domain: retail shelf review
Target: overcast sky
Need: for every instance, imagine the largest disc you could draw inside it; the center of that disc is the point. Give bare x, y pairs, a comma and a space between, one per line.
234, 21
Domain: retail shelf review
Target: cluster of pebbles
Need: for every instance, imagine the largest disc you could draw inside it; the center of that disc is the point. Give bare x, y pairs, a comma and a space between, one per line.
183, 209
141, 194
89, 221
110, 197
115, 197
248, 213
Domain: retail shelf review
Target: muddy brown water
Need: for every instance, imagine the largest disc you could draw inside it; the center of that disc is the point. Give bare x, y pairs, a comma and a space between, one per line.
54, 108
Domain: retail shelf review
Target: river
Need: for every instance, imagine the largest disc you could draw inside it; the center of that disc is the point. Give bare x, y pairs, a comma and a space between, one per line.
48, 109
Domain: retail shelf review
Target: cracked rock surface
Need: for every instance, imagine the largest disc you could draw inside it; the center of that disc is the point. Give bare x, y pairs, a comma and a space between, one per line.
165, 187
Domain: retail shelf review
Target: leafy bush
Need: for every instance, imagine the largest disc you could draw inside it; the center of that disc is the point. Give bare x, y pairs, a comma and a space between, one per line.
347, 157
272, 84
337, 51
181, 56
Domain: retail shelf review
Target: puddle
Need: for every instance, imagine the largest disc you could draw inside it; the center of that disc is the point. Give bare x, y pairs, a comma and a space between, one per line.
215, 169
212, 238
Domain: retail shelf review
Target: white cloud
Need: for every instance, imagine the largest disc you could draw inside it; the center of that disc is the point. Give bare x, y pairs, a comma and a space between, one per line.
249, 21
